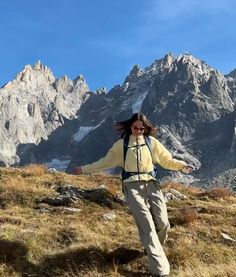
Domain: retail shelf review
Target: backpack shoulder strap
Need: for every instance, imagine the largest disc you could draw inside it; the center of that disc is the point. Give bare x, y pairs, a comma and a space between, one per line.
125, 174
148, 142
155, 172
125, 146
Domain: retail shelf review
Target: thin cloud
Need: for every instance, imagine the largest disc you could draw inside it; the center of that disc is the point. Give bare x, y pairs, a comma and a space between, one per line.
169, 10
117, 47
176, 23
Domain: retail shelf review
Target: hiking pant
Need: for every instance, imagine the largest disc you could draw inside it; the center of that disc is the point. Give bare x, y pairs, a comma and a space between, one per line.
147, 205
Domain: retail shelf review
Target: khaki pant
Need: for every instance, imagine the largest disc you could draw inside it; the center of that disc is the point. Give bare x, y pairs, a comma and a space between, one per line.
147, 204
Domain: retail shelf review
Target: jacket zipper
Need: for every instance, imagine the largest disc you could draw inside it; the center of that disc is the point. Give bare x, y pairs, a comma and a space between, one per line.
138, 159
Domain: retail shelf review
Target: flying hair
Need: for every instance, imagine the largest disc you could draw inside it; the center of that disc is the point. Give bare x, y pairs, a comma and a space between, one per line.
124, 127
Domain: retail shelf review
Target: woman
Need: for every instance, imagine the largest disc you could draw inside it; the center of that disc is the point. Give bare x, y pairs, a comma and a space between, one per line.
142, 191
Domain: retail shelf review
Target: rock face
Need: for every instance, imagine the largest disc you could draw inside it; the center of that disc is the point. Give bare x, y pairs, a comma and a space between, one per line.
231, 82
33, 106
192, 104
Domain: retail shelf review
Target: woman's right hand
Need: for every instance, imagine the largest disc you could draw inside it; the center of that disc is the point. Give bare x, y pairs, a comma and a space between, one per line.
77, 170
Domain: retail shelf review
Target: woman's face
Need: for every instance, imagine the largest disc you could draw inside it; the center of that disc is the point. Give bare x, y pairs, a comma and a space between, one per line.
137, 128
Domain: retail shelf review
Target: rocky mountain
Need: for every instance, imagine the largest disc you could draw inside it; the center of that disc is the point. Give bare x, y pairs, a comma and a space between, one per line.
190, 101
34, 105
49, 120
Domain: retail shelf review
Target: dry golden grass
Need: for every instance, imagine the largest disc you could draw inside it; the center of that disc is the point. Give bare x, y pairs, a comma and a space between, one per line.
217, 193
17, 189
182, 188
187, 215
8, 271
215, 270
177, 186
34, 170
191, 192
234, 221
48, 241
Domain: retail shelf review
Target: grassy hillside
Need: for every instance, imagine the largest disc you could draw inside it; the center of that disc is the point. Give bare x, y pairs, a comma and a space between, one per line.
38, 239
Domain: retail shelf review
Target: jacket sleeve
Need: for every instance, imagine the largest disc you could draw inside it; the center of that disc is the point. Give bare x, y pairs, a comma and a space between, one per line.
164, 158
112, 159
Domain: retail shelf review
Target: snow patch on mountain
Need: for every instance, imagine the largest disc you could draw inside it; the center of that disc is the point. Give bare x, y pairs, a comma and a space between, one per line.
136, 107
84, 131
57, 164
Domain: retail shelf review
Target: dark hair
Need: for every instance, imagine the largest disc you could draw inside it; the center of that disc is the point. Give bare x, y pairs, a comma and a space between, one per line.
124, 129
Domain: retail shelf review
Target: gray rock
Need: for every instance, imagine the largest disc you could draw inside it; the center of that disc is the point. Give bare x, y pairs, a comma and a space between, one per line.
71, 210
227, 237
109, 216
52, 170
68, 195
58, 201
173, 194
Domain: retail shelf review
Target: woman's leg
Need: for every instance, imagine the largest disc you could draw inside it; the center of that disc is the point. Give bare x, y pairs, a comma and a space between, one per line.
136, 195
158, 210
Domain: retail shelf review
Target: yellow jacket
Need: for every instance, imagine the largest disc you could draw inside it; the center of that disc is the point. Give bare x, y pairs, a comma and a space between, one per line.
138, 156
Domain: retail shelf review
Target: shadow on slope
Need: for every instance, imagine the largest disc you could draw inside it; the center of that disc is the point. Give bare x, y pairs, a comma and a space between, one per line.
14, 254
80, 261
83, 260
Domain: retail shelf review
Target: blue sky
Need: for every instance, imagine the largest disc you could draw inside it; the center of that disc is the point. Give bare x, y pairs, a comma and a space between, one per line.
103, 39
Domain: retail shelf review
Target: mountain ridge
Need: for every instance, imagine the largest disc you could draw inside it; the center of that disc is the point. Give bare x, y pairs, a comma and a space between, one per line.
192, 103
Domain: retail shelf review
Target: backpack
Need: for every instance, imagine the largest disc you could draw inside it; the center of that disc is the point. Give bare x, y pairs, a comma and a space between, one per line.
125, 174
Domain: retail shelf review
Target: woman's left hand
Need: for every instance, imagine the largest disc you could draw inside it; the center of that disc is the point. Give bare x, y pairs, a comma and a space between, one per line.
188, 168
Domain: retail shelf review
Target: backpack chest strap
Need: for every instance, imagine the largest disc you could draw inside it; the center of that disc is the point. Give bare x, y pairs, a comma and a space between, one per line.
126, 174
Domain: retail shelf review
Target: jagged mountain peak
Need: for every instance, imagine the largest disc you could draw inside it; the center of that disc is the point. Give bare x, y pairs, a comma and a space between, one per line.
80, 80
168, 60
187, 57
232, 74
40, 67
37, 71
194, 64
101, 91
162, 63
136, 70
139, 74
166, 64
65, 84
134, 74
32, 76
